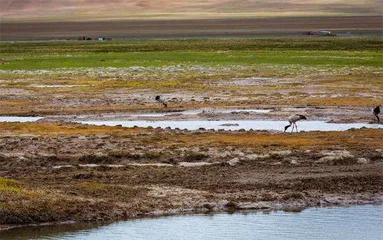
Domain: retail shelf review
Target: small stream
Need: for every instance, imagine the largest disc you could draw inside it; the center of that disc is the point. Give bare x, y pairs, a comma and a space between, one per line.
226, 125
235, 125
19, 119
356, 222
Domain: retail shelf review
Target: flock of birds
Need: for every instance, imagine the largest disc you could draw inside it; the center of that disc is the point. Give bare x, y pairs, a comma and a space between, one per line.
293, 119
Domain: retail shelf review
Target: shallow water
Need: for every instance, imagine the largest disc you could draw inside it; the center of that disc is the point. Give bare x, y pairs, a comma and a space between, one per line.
18, 119
357, 222
237, 124
54, 86
246, 110
199, 111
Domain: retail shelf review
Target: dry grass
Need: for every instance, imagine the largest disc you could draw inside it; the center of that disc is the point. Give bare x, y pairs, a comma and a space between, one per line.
54, 130
344, 101
361, 137
354, 138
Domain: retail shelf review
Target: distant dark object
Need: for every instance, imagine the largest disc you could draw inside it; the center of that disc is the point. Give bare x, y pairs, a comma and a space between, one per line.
160, 100
86, 38
293, 119
376, 112
321, 33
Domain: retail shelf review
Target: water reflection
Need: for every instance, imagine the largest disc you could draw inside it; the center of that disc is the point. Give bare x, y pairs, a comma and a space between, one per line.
357, 222
48, 231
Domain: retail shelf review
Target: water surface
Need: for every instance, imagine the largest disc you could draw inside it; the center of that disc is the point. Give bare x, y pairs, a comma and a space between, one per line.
18, 119
201, 111
236, 125
357, 222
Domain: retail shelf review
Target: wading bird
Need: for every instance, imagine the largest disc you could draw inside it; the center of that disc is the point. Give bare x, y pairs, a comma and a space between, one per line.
293, 119
376, 112
160, 100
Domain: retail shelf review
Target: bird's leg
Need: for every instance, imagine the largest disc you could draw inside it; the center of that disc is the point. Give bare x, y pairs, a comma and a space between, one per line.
292, 129
296, 127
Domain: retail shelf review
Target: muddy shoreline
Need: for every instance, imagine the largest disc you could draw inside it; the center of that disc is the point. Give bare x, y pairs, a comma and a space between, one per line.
287, 207
71, 172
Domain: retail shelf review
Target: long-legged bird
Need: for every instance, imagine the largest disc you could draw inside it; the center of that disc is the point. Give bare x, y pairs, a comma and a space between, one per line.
293, 121
376, 112
160, 100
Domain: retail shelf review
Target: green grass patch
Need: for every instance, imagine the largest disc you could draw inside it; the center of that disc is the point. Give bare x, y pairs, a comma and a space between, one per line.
9, 185
331, 52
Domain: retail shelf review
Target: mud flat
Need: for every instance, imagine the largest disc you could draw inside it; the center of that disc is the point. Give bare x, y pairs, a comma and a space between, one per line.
69, 172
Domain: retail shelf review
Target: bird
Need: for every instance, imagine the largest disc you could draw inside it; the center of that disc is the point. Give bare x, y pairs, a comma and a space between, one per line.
293, 119
160, 100
376, 112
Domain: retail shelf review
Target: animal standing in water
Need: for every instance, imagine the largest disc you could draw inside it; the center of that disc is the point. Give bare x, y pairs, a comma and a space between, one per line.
160, 100
293, 119
376, 112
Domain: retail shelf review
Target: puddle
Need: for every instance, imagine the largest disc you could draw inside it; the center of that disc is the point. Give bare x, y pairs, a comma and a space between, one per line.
58, 167
54, 86
200, 111
150, 115
19, 119
356, 222
246, 111
196, 164
151, 165
237, 125
256, 81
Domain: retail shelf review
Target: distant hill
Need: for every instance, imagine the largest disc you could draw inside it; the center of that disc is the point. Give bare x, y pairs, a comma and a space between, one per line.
74, 10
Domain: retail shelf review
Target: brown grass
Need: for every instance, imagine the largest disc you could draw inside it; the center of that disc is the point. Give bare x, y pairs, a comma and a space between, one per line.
363, 137
344, 101
54, 130
360, 137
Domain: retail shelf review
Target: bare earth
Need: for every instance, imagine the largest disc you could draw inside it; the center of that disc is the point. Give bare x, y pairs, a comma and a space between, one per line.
84, 173
278, 26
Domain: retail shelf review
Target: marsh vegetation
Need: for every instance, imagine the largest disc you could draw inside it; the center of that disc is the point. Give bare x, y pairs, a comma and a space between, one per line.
56, 170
